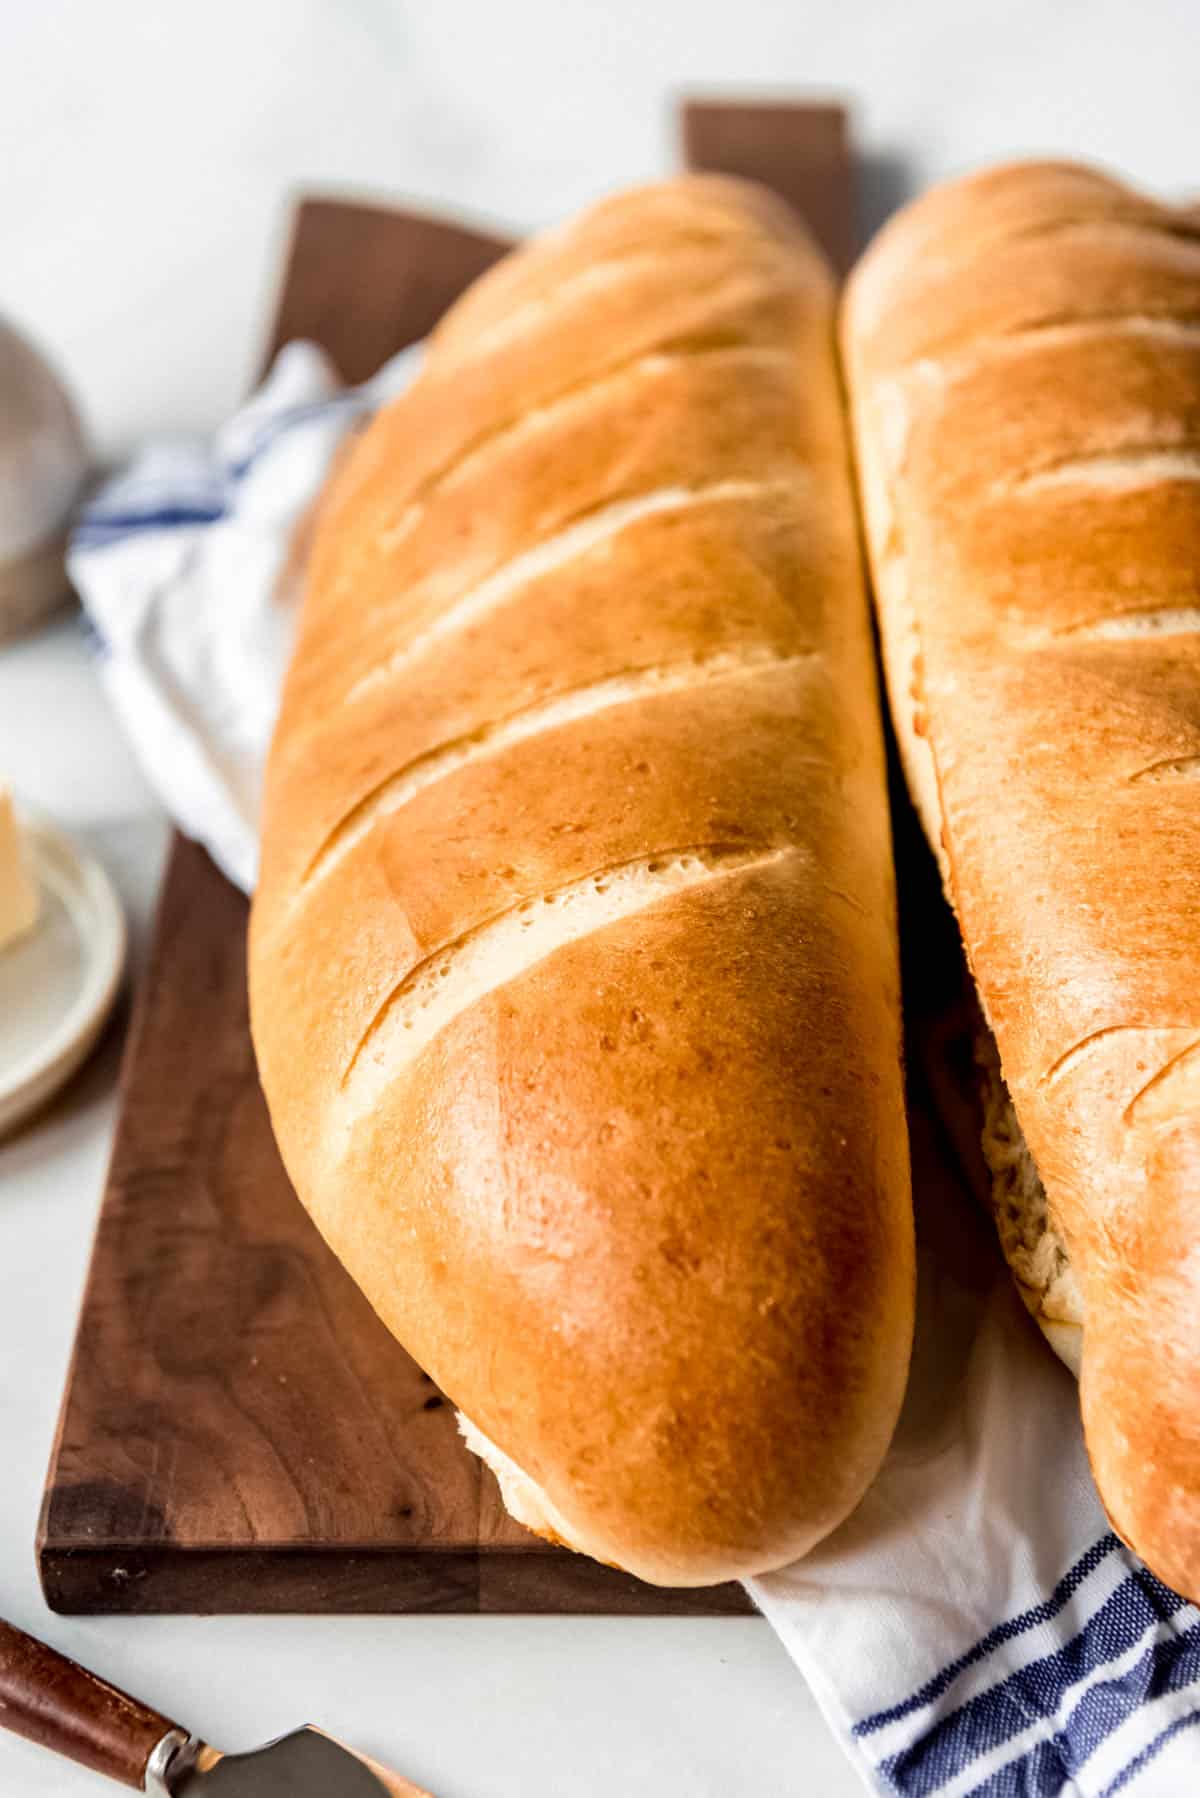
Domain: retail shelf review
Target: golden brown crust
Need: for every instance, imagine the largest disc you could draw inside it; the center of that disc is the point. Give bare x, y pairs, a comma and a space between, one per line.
573, 969
1024, 349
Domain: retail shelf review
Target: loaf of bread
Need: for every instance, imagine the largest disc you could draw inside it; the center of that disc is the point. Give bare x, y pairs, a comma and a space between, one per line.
1024, 357
573, 961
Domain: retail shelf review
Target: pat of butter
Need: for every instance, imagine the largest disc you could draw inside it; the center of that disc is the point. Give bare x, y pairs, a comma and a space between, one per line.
18, 891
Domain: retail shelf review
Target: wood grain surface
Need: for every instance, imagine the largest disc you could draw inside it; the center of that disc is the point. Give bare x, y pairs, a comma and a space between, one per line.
239, 1432
803, 152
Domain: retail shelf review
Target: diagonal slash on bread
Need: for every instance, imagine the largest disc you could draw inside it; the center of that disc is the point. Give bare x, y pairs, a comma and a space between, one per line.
1024, 362
573, 965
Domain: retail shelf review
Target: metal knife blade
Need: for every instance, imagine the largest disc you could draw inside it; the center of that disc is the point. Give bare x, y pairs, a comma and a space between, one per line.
305, 1764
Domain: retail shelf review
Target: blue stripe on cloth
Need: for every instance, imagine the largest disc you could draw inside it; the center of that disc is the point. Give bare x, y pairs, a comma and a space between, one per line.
1026, 1776
161, 518
1167, 1666
1003, 1632
1147, 1755
1031, 1692
97, 527
94, 640
354, 400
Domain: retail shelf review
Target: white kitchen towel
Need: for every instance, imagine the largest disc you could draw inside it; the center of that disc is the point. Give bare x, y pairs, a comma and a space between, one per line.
974, 1628
186, 564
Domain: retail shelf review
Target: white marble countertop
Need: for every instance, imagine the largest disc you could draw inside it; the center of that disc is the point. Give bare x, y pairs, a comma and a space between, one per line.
148, 157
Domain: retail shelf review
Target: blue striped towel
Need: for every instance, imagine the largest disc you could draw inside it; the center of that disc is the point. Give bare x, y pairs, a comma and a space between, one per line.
975, 1627
188, 565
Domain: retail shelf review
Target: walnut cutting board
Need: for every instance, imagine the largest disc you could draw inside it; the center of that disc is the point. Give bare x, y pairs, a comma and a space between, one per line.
239, 1432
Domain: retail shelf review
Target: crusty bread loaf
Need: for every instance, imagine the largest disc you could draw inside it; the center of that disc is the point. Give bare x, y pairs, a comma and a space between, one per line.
573, 970
1024, 355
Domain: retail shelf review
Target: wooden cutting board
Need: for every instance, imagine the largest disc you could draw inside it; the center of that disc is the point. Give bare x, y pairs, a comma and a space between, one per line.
239, 1432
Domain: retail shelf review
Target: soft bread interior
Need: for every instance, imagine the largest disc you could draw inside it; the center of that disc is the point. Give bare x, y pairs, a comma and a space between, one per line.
1032, 1245
523, 1498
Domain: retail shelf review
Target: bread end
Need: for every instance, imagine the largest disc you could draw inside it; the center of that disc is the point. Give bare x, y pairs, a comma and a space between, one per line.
523, 1498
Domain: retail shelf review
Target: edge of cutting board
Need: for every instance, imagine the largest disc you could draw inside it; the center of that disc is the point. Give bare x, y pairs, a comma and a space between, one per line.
238, 1431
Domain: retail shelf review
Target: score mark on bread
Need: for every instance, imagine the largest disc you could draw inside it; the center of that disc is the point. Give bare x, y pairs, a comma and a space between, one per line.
574, 981
581, 535
446, 982
1036, 329
572, 706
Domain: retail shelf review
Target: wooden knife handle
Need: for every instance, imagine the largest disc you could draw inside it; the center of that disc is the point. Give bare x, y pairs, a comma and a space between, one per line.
49, 1700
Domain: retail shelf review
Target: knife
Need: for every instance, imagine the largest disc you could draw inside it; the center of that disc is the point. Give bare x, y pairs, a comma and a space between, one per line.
51, 1700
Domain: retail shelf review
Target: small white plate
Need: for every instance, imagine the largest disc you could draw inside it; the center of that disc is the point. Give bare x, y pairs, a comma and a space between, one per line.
58, 982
